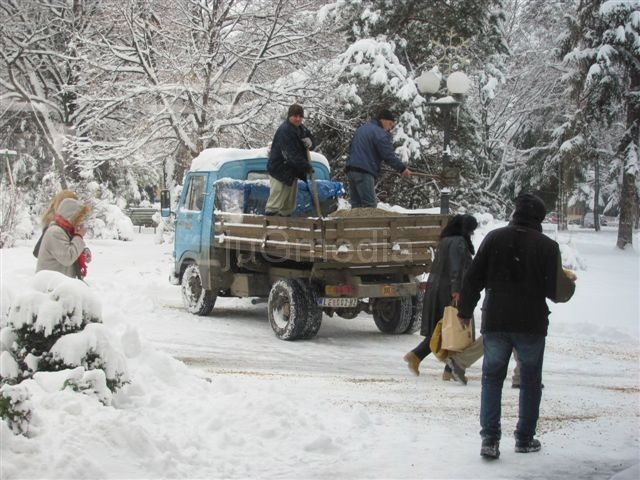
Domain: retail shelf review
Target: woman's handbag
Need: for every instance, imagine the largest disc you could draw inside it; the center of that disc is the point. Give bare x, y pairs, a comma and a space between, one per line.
435, 344
455, 337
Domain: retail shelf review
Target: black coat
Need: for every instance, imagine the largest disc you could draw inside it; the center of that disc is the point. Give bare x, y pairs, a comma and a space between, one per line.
445, 277
288, 155
519, 268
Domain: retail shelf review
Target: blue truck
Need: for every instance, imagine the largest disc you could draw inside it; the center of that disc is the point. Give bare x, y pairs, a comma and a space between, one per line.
303, 267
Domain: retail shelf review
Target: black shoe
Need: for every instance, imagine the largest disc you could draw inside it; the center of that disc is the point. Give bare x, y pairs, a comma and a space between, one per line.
490, 448
457, 372
528, 446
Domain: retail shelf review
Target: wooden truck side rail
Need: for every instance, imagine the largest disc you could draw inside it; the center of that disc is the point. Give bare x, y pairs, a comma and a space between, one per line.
347, 241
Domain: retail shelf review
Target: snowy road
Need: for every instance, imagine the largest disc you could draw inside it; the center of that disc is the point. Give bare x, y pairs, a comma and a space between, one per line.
344, 405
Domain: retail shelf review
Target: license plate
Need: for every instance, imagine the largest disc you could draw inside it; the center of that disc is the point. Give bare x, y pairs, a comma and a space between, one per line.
343, 302
388, 291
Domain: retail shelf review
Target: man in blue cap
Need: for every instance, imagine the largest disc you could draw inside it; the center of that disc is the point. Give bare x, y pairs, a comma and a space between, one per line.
371, 145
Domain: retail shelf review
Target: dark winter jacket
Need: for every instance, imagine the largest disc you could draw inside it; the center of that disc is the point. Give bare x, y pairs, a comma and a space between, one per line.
445, 277
288, 155
518, 267
371, 145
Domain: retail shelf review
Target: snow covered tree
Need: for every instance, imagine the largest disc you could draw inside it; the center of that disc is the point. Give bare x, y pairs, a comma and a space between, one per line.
42, 78
388, 45
528, 110
211, 73
603, 47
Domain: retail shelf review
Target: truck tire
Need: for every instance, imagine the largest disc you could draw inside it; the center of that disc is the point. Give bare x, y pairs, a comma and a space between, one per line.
288, 309
416, 313
196, 299
314, 316
392, 315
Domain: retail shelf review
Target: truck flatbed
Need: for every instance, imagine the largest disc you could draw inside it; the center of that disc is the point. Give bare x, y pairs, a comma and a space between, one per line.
347, 241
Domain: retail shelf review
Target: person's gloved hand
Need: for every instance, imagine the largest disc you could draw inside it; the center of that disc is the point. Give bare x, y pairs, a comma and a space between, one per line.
570, 274
307, 143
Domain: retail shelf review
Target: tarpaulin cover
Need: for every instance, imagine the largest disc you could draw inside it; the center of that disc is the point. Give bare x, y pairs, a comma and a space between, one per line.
250, 196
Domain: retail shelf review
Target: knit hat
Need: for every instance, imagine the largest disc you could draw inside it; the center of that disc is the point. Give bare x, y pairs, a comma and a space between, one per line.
295, 109
385, 114
72, 210
529, 207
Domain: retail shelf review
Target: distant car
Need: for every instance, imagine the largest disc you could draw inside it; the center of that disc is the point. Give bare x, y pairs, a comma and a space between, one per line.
588, 222
552, 217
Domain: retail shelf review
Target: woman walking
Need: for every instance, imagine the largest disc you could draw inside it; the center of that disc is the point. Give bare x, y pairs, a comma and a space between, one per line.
454, 255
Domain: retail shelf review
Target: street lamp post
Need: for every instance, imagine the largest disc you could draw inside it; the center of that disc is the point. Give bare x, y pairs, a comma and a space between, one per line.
458, 85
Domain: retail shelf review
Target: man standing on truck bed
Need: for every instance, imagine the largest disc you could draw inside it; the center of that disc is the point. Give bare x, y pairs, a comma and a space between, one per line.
371, 145
288, 161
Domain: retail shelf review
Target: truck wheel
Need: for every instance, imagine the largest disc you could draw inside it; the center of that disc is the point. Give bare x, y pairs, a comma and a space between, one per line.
197, 300
416, 313
287, 309
314, 316
392, 315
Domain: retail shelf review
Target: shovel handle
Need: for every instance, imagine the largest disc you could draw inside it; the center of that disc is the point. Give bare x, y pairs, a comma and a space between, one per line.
311, 181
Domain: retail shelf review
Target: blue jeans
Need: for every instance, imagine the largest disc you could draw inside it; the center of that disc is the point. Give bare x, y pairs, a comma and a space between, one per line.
497, 351
362, 189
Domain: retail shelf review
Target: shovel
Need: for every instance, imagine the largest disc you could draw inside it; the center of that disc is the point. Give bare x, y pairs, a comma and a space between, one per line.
311, 182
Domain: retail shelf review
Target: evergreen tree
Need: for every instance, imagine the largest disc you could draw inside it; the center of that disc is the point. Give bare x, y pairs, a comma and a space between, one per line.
603, 47
389, 45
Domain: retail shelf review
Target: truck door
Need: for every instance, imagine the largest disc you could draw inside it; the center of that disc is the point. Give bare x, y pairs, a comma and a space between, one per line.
189, 215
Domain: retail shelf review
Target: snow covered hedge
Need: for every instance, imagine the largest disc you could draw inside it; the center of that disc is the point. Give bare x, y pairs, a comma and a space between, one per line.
55, 326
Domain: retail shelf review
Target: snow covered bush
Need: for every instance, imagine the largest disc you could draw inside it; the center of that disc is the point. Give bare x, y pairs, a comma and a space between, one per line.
15, 407
107, 218
15, 219
56, 325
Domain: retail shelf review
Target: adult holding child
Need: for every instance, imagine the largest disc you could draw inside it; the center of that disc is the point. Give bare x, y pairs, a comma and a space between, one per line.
62, 247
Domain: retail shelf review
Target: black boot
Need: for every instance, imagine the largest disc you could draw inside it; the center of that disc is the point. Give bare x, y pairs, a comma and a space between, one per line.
528, 446
490, 448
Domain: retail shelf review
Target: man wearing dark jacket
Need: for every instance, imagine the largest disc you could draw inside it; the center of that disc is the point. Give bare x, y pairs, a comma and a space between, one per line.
288, 161
519, 268
371, 145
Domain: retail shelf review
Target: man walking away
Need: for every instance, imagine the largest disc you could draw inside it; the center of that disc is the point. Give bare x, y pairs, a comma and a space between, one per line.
518, 267
288, 161
371, 145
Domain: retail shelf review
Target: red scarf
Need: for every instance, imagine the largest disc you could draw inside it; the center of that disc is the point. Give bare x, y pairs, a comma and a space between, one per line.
64, 224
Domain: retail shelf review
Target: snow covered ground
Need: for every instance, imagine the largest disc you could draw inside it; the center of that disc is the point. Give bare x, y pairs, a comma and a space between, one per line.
221, 396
